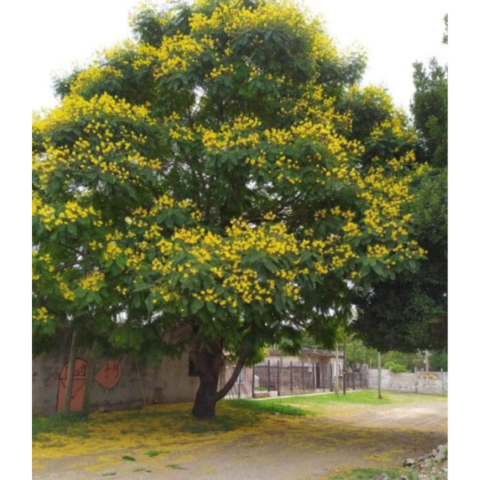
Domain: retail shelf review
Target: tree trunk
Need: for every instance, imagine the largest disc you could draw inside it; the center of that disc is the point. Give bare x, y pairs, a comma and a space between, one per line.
209, 366
206, 397
70, 374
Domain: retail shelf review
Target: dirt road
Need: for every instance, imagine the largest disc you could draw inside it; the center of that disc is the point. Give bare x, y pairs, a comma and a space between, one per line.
280, 448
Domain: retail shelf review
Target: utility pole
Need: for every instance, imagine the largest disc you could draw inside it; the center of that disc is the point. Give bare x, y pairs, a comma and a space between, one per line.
337, 370
379, 376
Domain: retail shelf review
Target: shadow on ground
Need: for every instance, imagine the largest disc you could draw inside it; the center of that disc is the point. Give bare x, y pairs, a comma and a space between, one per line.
303, 440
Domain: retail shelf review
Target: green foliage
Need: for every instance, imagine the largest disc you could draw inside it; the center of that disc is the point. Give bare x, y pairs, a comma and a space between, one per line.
430, 112
410, 312
446, 38
218, 182
438, 361
128, 458
395, 367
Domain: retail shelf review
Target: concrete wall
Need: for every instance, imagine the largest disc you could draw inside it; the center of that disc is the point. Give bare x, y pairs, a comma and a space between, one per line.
118, 384
435, 383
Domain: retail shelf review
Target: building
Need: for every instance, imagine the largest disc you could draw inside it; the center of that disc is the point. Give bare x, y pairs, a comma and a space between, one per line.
310, 370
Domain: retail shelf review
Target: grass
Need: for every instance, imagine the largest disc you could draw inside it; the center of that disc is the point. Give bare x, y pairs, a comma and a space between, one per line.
71, 426
312, 404
52, 431
268, 406
309, 405
176, 467
154, 453
369, 397
369, 474
128, 458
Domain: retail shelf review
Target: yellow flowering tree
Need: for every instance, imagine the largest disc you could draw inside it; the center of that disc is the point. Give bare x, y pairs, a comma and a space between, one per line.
217, 183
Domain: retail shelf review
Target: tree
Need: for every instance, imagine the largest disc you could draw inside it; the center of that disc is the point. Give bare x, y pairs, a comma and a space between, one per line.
438, 361
214, 185
411, 312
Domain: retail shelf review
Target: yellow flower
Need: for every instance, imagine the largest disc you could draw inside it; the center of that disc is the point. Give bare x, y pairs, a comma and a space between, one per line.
92, 281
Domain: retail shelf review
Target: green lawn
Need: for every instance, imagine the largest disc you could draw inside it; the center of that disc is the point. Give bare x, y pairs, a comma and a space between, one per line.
308, 404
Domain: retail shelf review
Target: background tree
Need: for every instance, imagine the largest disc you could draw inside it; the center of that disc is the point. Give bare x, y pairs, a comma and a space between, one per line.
214, 184
410, 312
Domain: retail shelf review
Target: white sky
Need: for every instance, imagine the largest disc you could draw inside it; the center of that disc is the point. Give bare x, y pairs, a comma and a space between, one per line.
393, 33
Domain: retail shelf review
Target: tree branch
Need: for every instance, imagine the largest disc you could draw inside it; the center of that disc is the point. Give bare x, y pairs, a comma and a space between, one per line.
236, 372
67, 265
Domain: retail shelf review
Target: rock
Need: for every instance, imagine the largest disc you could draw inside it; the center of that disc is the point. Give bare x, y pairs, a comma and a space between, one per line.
441, 453
425, 457
382, 476
409, 462
403, 477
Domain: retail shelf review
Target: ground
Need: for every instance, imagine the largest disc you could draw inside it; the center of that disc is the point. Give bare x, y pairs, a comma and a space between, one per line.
297, 438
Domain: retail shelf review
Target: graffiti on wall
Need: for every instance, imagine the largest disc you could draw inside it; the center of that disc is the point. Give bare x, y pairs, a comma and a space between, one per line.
78, 388
110, 374
427, 380
107, 377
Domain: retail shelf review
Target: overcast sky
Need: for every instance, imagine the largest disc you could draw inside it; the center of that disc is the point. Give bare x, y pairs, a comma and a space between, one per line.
394, 35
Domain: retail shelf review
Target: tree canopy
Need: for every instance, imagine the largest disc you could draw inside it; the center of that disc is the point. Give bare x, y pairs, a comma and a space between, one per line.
219, 181
411, 312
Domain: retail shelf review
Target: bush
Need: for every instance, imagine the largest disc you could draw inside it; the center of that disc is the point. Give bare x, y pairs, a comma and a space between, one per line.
396, 367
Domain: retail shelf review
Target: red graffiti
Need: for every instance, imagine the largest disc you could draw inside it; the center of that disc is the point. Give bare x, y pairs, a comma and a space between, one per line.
110, 374
78, 388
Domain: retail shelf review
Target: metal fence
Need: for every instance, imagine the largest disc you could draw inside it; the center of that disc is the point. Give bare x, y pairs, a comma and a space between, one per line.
296, 377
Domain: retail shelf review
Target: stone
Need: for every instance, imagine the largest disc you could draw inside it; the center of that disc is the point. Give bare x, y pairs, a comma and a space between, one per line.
424, 457
441, 453
402, 477
409, 462
382, 476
